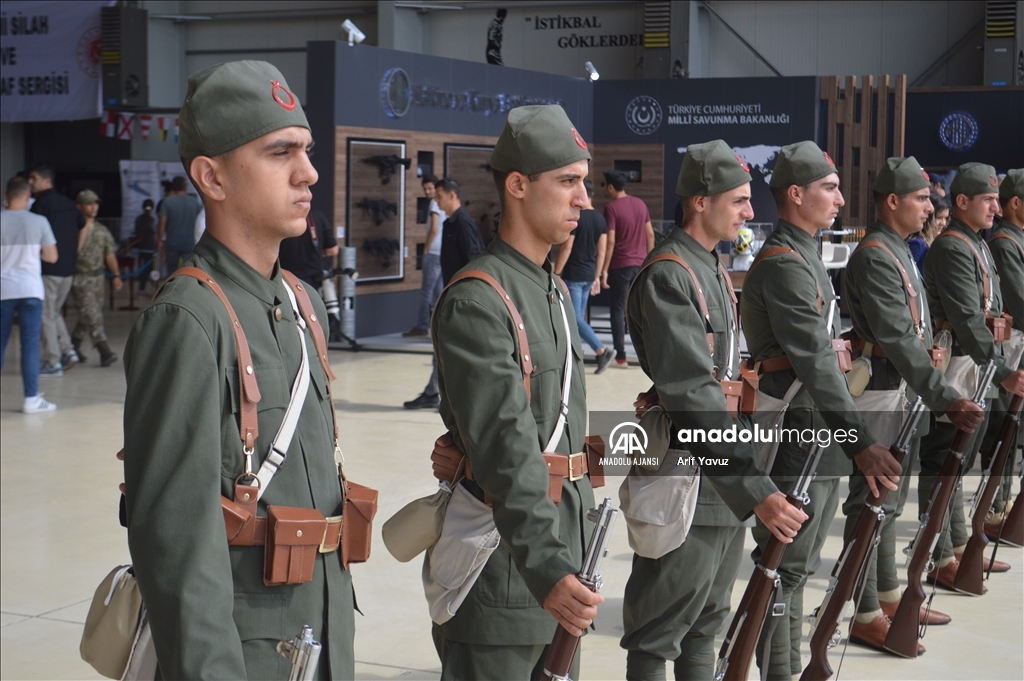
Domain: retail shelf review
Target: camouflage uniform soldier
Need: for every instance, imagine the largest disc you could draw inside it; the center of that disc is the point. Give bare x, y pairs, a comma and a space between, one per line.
96, 249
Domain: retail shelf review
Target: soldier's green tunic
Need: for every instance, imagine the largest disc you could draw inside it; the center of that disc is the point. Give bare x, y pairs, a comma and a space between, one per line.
877, 301
956, 296
484, 404
212, 616
675, 605
1008, 255
780, 315
87, 288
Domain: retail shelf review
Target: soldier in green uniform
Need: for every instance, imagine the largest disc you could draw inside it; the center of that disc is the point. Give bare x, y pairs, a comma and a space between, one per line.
790, 317
892, 324
675, 605
528, 584
961, 279
96, 252
1007, 246
245, 143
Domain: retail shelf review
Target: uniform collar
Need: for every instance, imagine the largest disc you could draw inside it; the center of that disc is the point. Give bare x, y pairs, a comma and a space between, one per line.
519, 262
798, 236
882, 229
1007, 226
709, 258
238, 271
965, 230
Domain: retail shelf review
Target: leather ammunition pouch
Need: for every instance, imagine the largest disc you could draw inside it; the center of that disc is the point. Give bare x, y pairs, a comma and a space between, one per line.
741, 395
357, 523
294, 536
1000, 327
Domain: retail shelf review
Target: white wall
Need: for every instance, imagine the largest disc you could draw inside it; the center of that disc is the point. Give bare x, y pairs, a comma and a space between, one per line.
845, 38
825, 37
463, 35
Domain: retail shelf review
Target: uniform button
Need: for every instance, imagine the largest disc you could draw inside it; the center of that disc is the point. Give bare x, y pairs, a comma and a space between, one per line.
248, 370
277, 313
526, 357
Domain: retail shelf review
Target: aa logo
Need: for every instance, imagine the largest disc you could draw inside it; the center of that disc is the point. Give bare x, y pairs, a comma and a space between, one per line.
629, 439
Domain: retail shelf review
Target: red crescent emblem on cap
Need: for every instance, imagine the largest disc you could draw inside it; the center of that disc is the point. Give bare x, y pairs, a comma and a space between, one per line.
829, 159
993, 180
277, 87
743, 164
579, 140
925, 174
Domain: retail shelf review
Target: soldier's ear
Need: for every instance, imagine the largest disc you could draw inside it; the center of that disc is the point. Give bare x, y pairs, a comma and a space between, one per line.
206, 173
515, 184
796, 194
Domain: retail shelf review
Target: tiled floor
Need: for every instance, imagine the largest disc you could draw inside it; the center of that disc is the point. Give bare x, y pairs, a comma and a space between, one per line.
60, 535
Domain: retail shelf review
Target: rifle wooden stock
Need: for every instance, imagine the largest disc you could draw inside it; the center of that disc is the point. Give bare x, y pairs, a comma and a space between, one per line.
903, 631
746, 624
857, 549
970, 576
561, 654
1013, 525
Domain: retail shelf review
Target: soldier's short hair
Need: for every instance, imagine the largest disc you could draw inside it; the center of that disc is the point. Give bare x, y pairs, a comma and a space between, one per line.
781, 196
499, 184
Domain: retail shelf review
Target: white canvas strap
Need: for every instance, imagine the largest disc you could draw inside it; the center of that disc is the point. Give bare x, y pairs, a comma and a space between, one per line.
279, 447
563, 409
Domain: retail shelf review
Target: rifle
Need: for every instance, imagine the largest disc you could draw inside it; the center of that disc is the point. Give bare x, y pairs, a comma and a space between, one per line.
825, 632
380, 209
904, 629
563, 647
969, 578
763, 589
1012, 531
388, 165
303, 652
385, 249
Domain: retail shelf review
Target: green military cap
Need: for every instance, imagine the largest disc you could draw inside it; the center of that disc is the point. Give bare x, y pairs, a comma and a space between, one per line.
1013, 185
901, 176
537, 139
973, 179
801, 164
711, 168
86, 197
231, 104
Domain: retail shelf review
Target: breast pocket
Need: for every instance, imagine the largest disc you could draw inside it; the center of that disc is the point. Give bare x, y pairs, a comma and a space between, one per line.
546, 381
269, 412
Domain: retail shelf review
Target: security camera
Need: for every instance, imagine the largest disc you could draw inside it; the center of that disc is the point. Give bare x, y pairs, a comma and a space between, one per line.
354, 34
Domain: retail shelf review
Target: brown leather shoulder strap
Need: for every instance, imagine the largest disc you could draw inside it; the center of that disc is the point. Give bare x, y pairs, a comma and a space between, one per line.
732, 295
764, 254
306, 309
911, 292
1009, 238
525, 362
250, 392
672, 257
985, 280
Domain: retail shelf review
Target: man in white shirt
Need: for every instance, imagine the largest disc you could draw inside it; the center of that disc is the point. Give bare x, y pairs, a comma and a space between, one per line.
432, 285
26, 241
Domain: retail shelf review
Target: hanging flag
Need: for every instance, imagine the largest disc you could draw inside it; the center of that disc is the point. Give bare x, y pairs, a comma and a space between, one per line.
175, 130
108, 124
161, 124
145, 122
125, 121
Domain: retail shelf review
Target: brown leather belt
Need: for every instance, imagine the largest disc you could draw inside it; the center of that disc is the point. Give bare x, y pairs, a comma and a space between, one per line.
876, 349
780, 363
840, 346
560, 466
245, 528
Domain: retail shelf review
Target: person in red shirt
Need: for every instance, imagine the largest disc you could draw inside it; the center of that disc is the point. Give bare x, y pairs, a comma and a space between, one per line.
630, 239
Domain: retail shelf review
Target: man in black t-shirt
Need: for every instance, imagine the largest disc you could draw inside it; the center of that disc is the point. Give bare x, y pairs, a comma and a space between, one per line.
304, 255
577, 265
56, 352
460, 243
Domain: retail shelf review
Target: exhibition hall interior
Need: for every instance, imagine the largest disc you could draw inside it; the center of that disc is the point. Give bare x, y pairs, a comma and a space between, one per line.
469, 210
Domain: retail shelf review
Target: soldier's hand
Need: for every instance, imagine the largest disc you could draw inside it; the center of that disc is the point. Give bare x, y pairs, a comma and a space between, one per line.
446, 458
572, 604
780, 517
879, 467
965, 414
1014, 383
644, 401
